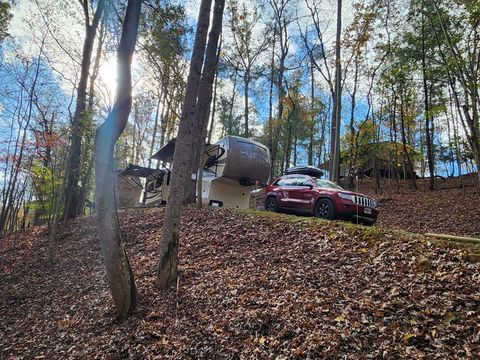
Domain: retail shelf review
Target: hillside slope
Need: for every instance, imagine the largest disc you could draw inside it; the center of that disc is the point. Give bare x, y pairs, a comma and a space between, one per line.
252, 285
448, 209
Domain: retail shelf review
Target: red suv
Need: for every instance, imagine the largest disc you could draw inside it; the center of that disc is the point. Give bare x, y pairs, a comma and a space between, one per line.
322, 198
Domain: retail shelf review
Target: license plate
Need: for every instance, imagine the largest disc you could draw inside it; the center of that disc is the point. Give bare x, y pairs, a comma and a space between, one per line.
367, 210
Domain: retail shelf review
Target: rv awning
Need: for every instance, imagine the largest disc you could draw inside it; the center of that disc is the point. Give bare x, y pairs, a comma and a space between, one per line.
166, 152
135, 170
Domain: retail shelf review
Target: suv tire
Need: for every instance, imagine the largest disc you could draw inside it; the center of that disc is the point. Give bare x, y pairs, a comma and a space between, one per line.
271, 204
324, 209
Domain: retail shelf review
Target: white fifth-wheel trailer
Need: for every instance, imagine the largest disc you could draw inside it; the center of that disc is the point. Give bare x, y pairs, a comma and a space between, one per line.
233, 166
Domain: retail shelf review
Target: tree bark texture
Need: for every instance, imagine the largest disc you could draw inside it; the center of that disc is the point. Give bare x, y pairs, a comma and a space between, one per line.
72, 190
336, 123
428, 139
119, 273
204, 100
168, 261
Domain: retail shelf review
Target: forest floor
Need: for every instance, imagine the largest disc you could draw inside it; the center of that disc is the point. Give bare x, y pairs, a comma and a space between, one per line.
449, 209
252, 284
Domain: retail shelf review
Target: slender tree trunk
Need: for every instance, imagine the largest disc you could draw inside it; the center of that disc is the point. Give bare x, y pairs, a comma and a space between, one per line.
404, 142
312, 111
164, 119
232, 104
428, 140
295, 143
88, 131
353, 152
270, 109
119, 273
335, 163
205, 93
288, 150
246, 83
394, 136
214, 105
204, 100
75, 151
168, 262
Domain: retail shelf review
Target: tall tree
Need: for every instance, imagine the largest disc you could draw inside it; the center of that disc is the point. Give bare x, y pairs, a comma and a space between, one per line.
337, 103
247, 47
119, 273
168, 262
204, 100
426, 100
281, 20
72, 191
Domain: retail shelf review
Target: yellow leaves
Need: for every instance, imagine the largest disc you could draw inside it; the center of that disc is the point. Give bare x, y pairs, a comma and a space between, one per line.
340, 318
450, 318
408, 336
262, 340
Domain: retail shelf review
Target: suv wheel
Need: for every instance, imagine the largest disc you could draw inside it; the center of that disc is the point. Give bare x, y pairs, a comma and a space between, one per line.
271, 204
324, 209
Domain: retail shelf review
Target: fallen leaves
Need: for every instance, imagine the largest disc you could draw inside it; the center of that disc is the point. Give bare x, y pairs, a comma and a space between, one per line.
448, 209
252, 285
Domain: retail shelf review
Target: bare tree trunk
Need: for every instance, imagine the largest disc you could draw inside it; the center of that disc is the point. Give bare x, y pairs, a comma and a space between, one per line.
168, 262
428, 139
312, 110
353, 147
119, 273
288, 150
202, 109
404, 142
232, 103
205, 93
394, 137
270, 109
335, 162
73, 164
246, 84
214, 105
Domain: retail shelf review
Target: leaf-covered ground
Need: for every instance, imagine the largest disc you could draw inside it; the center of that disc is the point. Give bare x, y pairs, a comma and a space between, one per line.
449, 209
252, 285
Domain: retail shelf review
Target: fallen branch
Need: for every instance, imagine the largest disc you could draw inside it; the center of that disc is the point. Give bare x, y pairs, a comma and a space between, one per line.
453, 237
